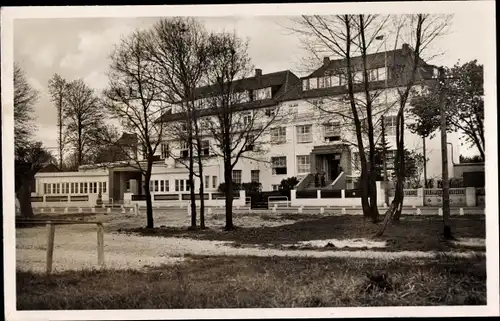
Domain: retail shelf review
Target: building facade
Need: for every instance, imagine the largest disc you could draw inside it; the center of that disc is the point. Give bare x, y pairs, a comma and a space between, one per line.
312, 134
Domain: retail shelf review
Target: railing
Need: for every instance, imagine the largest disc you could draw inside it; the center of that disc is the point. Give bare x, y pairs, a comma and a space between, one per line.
51, 230
337, 179
278, 202
410, 192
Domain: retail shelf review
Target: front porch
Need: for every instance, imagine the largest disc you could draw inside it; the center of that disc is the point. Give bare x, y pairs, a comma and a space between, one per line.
332, 161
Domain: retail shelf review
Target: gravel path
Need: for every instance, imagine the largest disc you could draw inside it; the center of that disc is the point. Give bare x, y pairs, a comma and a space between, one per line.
75, 248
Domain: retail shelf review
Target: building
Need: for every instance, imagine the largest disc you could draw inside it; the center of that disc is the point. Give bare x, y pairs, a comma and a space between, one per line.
307, 137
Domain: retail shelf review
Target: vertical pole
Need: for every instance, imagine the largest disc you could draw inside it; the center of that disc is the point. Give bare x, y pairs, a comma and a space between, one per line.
51, 231
100, 244
444, 156
384, 152
425, 162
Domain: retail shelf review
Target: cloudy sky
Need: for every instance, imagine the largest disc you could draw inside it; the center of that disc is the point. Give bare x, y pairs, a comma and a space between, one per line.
79, 48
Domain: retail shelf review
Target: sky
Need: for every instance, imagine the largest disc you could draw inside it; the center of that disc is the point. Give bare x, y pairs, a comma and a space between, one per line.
80, 48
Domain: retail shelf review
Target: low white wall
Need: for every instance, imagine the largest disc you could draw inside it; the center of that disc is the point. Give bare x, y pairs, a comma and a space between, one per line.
211, 202
90, 203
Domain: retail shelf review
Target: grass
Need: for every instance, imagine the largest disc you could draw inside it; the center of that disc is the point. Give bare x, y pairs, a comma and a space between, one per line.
412, 233
250, 282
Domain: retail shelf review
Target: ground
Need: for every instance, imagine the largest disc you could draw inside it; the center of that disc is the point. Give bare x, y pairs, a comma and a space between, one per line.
290, 259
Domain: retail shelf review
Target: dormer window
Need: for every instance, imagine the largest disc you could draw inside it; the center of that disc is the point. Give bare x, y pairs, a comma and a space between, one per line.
164, 150
262, 94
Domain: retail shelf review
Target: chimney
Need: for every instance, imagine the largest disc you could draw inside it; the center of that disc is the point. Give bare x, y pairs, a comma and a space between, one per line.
406, 47
258, 72
326, 61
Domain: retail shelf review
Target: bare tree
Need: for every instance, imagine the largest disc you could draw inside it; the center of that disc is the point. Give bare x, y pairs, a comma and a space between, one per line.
58, 90
419, 30
234, 126
25, 98
85, 118
345, 37
177, 48
30, 156
133, 99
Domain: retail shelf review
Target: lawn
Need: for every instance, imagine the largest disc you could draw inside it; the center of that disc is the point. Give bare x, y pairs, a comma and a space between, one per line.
412, 233
250, 282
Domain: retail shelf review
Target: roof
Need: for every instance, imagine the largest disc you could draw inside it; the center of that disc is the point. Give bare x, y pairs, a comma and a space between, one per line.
285, 85
374, 60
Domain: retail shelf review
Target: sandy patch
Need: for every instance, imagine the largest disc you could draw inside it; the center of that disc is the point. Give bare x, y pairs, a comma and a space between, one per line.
75, 248
472, 242
351, 243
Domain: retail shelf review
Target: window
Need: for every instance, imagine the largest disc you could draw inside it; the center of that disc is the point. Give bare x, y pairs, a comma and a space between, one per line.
303, 164
104, 187
321, 82
207, 181
214, 181
85, 188
162, 186
237, 176
261, 94
381, 73
181, 185
332, 131
184, 153
95, 187
342, 80
255, 175
156, 185
164, 150
151, 186
271, 112
278, 135
390, 159
327, 81
390, 125
205, 147
334, 80
100, 186
305, 84
250, 143
279, 165
304, 134
357, 77
275, 187
167, 185
127, 186
356, 161
46, 188
313, 83
247, 118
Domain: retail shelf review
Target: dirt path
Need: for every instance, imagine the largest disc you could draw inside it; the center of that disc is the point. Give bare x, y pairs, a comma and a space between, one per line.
75, 248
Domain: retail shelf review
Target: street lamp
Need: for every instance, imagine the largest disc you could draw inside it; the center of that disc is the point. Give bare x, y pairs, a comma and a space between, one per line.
384, 160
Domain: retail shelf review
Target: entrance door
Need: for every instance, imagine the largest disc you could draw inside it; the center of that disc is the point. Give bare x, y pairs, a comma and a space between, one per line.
334, 167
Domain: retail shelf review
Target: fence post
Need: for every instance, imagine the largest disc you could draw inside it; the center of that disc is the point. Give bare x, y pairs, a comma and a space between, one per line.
51, 231
470, 196
293, 197
318, 194
342, 193
100, 244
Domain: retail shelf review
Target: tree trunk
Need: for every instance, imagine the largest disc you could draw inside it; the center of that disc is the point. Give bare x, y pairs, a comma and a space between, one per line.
24, 196
444, 155
364, 192
149, 203
191, 178
202, 191
229, 194
425, 161
400, 173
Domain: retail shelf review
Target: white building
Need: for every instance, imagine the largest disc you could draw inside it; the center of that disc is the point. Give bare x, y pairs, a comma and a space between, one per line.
306, 139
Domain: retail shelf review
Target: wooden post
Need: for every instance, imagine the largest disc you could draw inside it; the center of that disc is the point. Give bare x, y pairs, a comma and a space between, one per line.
100, 244
444, 158
51, 231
